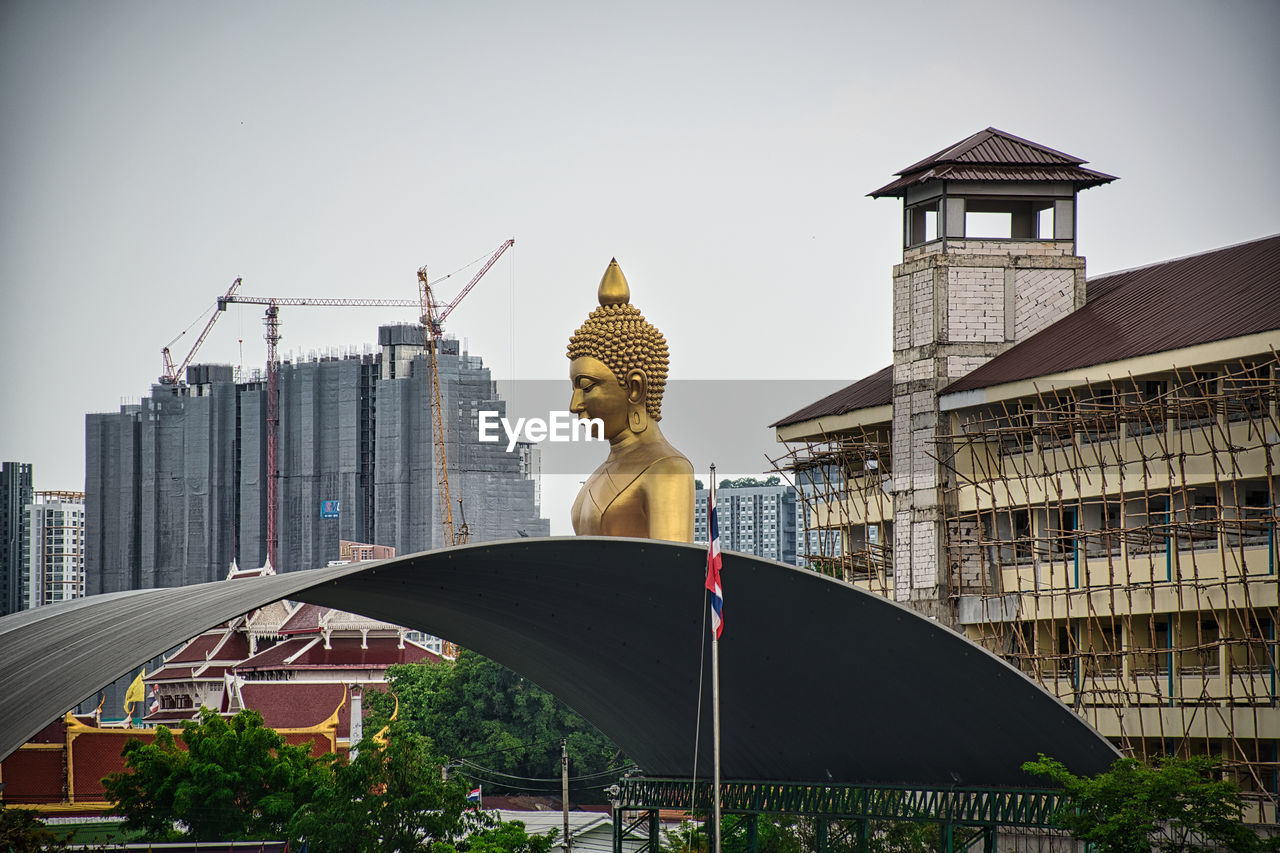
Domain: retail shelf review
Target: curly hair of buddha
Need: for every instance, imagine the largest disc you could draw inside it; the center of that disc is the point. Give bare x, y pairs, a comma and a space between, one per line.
621, 338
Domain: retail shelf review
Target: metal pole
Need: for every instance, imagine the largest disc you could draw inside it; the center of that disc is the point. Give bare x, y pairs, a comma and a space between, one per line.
715, 691
564, 788
715, 711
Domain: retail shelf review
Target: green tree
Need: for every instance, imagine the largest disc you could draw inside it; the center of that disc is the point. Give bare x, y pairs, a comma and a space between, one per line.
747, 482
393, 796
476, 708
236, 779
22, 831
1174, 805
508, 837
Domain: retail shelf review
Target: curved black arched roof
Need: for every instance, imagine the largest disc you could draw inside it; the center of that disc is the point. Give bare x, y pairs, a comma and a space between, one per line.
819, 680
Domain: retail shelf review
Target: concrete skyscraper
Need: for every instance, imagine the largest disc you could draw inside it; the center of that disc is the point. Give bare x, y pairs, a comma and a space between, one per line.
53, 549
176, 485
15, 493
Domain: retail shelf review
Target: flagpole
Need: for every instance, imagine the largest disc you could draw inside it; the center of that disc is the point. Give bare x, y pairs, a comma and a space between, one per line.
715, 710
715, 702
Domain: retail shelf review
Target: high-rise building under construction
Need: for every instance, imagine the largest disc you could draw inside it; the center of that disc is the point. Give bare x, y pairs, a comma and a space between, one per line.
176, 486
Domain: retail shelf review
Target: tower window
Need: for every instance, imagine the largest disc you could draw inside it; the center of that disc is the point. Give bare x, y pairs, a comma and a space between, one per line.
988, 224
922, 223
1044, 223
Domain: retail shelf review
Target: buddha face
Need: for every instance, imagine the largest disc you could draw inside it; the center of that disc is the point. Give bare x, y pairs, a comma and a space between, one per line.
598, 394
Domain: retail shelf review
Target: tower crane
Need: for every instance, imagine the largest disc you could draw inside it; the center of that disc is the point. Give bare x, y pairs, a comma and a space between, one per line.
432, 327
173, 375
271, 320
432, 318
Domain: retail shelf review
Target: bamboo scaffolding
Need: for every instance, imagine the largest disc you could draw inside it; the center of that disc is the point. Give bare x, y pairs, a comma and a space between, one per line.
1125, 530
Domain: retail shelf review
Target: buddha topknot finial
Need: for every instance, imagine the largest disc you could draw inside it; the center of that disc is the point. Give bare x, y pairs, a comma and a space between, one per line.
614, 289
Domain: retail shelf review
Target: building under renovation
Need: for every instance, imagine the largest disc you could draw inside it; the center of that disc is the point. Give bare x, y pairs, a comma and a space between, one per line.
1079, 473
176, 486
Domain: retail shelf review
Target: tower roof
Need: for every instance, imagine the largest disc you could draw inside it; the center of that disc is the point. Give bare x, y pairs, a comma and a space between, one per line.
993, 155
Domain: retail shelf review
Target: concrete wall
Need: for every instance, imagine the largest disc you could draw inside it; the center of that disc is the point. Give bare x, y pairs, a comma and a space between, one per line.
957, 304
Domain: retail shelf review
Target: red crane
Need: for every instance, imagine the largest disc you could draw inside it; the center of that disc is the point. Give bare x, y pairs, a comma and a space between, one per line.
272, 321
432, 316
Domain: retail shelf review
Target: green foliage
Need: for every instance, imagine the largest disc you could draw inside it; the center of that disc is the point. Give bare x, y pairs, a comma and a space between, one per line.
508, 837
1175, 805
237, 779
747, 482
22, 831
476, 708
388, 798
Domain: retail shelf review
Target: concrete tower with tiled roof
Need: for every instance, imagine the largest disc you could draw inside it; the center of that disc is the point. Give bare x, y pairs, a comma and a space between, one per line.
989, 259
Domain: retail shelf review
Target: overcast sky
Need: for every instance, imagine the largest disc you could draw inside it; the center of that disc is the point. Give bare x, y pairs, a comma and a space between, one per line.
154, 151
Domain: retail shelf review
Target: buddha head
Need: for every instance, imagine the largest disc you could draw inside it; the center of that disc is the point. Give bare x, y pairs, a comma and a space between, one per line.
618, 362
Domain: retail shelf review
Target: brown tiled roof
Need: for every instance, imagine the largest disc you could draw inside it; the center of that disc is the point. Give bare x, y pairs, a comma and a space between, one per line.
1225, 293
234, 648
172, 673
296, 705
874, 390
198, 650
343, 652
277, 656
306, 619
993, 155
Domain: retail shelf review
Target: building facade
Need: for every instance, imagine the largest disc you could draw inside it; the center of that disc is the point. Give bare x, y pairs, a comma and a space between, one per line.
53, 549
176, 486
1078, 473
16, 491
759, 520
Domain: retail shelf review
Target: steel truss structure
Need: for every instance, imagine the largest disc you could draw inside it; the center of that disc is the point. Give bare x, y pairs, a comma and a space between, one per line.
838, 808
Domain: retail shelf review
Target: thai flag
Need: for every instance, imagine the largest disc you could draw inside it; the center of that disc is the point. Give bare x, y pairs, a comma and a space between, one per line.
474, 796
713, 566
155, 699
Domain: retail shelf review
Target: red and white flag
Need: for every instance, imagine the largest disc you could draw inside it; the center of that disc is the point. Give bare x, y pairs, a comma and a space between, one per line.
713, 566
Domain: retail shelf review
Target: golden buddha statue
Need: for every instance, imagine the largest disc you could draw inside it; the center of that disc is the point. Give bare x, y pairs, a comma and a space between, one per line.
618, 367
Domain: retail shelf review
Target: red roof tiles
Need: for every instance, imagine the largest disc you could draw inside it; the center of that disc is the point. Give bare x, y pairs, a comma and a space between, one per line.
343, 652
278, 655
1213, 296
305, 620
199, 649
296, 705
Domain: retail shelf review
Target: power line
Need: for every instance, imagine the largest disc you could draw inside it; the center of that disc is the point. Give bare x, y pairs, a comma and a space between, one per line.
477, 769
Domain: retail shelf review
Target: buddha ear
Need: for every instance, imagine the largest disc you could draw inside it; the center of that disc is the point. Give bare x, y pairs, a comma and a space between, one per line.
637, 386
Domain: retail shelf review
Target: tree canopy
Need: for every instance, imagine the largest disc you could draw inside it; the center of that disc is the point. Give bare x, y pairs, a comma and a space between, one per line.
239, 780
474, 708
1173, 805
393, 796
236, 779
747, 482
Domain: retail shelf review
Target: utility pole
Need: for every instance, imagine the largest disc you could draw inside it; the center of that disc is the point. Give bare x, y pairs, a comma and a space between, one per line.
564, 789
